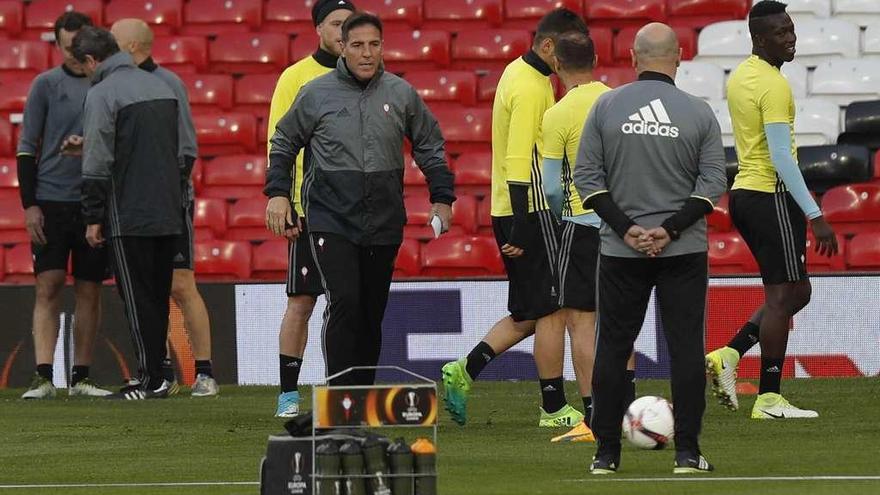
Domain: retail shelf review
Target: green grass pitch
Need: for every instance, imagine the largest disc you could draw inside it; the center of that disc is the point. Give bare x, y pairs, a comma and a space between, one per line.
500, 451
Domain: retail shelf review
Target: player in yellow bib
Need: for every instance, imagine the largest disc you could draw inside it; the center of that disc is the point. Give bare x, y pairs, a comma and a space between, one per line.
769, 205
303, 279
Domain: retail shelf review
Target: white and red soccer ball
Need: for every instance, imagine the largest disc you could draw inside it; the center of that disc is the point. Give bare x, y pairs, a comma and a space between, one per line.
649, 423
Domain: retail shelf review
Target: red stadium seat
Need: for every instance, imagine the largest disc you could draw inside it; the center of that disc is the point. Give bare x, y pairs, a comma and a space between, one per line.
213, 17
254, 91
28, 57
11, 15
12, 227
163, 16
445, 86
615, 76
40, 15
464, 213
526, 13
288, 16
13, 95
412, 175
418, 214
223, 260
245, 53
818, 263
617, 14
473, 173
486, 86
462, 15
8, 179
489, 49
198, 172
461, 256
181, 53
728, 253
270, 260
862, 253
696, 14
854, 208
396, 15
405, 51
208, 90
408, 262
7, 143
484, 217
604, 45
465, 130
209, 218
225, 133
2, 263
247, 220
719, 220
623, 42
302, 46
19, 264
235, 177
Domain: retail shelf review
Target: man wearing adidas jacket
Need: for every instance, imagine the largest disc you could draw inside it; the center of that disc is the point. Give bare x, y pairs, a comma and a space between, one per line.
651, 164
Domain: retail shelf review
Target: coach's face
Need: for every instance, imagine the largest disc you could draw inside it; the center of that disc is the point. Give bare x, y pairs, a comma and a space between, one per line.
65, 41
330, 31
363, 51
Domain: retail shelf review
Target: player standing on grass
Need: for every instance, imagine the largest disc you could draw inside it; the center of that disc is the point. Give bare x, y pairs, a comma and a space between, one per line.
303, 279
651, 164
769, 205
135, 37
525, 231
51, 185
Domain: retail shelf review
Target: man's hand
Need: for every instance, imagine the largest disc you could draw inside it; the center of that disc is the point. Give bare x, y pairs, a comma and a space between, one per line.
94, 235
518, 235
637, 238
444, 212
659, 240
34, 222
826, 241
279, 218
72, 145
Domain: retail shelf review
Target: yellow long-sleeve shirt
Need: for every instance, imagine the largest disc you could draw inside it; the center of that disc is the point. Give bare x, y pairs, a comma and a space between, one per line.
292, 79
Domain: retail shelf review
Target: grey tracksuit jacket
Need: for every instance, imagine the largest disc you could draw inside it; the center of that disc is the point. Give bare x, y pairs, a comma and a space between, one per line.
353, 137
132, 171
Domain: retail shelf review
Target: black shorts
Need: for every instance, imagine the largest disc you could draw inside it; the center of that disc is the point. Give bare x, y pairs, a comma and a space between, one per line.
183, 244
576, 266
303, 277
66, 239
532, 291
775, 229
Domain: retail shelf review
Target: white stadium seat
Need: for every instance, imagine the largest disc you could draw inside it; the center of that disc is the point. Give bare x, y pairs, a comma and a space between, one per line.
823, 39
796, 73
701, 79
805, 9
725, 44
817, 122
871, 47
847, 80
865, 13
722, 113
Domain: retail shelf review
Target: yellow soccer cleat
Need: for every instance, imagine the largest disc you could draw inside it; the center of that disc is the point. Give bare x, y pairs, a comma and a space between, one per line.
580, 433
721, 367
774, 406
567, 416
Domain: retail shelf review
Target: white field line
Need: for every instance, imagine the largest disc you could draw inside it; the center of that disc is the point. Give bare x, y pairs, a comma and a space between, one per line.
614, 479
132, 485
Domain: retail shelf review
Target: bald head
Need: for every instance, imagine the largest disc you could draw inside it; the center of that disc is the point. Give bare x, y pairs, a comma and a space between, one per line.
656, 49
133, 36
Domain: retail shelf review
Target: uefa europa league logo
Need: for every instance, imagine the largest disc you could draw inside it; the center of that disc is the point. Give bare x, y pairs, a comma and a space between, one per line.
412, 400
296, 463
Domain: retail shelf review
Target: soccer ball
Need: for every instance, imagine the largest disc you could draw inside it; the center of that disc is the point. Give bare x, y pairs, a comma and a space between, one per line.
648, 423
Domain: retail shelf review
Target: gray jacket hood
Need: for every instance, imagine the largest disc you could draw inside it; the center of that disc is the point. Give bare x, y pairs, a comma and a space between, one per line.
111, 65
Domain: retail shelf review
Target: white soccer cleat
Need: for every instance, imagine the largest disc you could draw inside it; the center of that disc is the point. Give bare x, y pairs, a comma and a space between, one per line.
87, 388
774, 406
41, 388
205, 386
721, 367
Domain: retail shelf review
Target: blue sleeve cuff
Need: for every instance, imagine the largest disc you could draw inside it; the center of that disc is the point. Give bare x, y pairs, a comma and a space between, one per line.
779, 142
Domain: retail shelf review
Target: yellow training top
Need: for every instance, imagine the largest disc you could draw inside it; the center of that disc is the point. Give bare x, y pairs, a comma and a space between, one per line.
758, 94
562, 127
523, 94
292, 79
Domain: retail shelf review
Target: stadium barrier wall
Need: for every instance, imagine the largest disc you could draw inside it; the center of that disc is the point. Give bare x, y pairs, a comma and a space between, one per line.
429, 323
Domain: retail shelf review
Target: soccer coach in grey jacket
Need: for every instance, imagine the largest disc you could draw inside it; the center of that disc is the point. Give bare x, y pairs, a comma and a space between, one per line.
132, 191
651, 164
352, 123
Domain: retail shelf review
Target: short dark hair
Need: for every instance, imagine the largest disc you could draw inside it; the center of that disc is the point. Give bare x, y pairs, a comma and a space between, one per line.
575, 52
71, 21
97, 42
360, 19
761, 10
558, 22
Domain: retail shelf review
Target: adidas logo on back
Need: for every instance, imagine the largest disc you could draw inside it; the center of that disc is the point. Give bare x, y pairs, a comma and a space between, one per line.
651, 120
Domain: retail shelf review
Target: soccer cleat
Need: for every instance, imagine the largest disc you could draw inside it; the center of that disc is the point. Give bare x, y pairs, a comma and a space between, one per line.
87, 388
567, 416
774, 406
688, 463
604, 464
457, 384
40, 388
133, 392
173, 387
288, 404
721, 367
580, 433
205, 386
